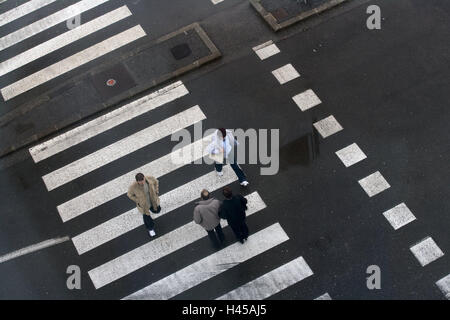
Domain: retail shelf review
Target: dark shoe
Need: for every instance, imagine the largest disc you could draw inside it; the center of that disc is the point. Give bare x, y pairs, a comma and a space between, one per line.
241, 241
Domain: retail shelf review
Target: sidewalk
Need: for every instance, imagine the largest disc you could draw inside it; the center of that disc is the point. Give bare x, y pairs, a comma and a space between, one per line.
104, 86
280, 14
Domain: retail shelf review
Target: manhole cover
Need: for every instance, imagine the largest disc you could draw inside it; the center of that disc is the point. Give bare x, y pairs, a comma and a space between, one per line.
280, 14
181, 51
113, 81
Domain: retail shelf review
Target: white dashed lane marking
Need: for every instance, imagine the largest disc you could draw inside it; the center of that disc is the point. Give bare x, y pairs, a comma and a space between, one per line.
306, 100
285, 74
444, 286
351, 155
426, 251
399, 216
328, 126
325, 296
266, 50
374, 184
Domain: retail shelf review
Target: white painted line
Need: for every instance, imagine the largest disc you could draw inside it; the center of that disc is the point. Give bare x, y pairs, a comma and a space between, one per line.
117, 187
306, 100
72, 62
285, 74
444, 286
48, 22
131, 219
399, 216
325, 296
272, 282
123, 147
22, 10
351, 155
33, 248
212, 265
216, 1
156, 249
328, 126
426, 251
266, 50
108, 121
374, 184
64, 39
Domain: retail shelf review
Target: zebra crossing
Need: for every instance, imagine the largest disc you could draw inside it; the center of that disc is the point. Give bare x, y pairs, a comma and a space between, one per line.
17, 66
93, 239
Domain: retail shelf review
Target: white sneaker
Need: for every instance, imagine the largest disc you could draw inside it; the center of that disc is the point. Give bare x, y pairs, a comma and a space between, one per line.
152, 233
244, 183
219, 173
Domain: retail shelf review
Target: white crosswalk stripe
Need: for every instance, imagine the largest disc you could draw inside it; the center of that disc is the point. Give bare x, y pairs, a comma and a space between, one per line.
123, 147
272, 282
22, 10
108, 121
72, 62
170, 201
48, 22
158, 248
212, 265
64, 39
115, 188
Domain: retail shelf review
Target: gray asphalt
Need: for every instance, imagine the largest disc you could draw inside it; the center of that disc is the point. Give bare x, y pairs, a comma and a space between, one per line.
387, 88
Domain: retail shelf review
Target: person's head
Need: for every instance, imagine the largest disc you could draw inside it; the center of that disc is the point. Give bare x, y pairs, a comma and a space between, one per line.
140, 178
227, 193
222, 133
205, 194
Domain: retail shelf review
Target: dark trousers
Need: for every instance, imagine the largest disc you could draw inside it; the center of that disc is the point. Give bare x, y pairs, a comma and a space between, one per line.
240, 174
213, 237
240, 230
148, 221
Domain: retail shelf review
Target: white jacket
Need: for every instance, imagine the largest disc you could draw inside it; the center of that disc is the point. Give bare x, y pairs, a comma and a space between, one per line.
216, 143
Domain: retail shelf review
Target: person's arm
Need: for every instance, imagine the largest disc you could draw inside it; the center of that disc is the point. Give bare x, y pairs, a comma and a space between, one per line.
155, 183
132, 196
157, 186
221, 212
212, 147
243, 200
197, 217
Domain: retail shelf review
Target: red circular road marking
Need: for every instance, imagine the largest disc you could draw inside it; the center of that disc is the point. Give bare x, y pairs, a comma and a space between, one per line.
111, 82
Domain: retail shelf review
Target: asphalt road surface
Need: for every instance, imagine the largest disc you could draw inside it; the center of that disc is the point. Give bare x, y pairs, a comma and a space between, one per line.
315, 226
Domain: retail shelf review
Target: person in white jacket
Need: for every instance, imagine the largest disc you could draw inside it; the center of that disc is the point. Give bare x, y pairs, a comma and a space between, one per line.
222, 144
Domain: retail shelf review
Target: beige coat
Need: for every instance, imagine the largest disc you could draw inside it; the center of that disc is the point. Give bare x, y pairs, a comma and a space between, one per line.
137, 194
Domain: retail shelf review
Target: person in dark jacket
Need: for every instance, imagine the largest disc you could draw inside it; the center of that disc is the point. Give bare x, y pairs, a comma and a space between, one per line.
206, 214
233, 210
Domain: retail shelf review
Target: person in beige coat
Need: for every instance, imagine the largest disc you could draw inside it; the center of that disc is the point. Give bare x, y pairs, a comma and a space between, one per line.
145, 193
